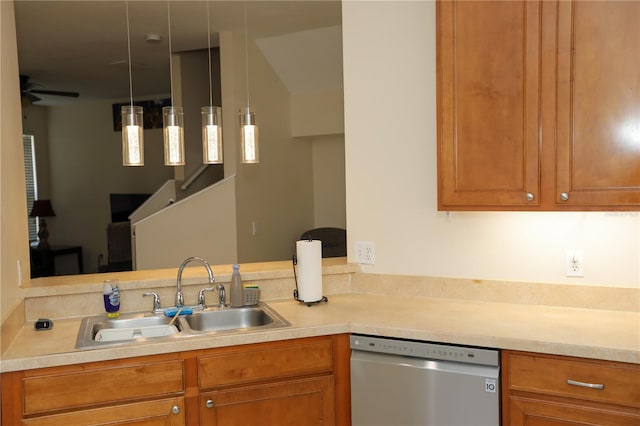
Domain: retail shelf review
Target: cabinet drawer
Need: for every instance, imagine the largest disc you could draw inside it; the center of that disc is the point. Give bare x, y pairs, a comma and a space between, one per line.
99, 384
613, 382
276, 362
164, 412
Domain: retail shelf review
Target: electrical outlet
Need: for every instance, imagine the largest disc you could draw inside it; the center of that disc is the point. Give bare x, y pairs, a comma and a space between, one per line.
575, 264
365, 252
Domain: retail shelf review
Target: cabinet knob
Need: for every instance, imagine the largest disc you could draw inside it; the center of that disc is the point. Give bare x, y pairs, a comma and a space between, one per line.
175, 409
530, 196
209, 403
564, 196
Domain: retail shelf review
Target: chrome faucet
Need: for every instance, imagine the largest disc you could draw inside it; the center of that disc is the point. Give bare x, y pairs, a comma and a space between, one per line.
156, 301
179, 295
222, 296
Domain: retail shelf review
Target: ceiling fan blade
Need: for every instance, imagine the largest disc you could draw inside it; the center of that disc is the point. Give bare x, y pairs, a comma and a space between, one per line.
32, 97
56, 93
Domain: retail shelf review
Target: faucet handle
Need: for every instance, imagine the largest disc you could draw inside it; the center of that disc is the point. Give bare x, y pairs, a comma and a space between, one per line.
223, 296
156, 301
201, 293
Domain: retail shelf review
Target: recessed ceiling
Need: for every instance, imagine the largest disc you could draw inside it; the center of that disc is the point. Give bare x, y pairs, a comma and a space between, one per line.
81, 46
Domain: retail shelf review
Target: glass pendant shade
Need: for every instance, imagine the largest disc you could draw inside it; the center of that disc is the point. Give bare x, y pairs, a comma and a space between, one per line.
132, 136
212, 135
173, 124
249, 138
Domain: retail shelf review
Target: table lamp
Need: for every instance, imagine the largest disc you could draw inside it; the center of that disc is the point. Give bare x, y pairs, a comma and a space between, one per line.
42, 209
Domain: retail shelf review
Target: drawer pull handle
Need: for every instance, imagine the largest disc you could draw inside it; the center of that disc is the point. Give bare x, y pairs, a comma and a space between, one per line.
209, 403
585, 385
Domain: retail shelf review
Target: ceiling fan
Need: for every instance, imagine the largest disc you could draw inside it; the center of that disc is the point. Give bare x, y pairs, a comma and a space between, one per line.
30, 93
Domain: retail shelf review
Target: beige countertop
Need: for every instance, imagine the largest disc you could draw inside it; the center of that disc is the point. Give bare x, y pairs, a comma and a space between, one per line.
592, 333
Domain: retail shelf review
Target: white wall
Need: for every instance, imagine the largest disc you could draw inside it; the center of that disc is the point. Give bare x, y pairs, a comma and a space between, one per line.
14, 236
277, 194
86, 166
317, 113
390, 138
35, 122
197, 226
329, 203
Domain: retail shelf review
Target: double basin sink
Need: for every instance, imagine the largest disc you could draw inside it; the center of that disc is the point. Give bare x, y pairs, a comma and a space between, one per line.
99, 331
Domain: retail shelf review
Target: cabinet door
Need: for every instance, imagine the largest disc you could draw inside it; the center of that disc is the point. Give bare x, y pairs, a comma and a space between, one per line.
296, 402
488, 70
598, 122
540, 412
165, 412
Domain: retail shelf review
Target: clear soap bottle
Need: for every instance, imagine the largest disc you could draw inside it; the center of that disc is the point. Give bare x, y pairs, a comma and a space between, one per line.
237, 291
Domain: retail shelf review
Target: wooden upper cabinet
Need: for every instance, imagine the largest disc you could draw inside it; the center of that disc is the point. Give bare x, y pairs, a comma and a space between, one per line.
488, 67
598, 116
538, 105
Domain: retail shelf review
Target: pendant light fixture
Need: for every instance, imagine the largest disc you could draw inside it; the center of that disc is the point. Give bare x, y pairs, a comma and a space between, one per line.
249, 129
172, 119
211, 118
132, 121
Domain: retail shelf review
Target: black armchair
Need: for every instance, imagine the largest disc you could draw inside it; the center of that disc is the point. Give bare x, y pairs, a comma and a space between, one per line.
334, 240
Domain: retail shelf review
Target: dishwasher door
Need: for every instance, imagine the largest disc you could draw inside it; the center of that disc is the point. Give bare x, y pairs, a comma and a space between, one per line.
396, 390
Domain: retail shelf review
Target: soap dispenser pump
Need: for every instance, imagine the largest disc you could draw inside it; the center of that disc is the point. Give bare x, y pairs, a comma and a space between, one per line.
237, 292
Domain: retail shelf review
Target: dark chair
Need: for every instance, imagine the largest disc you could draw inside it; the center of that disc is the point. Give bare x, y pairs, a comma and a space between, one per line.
119, 248
334, 240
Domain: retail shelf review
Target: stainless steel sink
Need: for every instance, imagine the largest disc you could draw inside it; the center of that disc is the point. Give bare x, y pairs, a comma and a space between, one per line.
99, 331
246, 318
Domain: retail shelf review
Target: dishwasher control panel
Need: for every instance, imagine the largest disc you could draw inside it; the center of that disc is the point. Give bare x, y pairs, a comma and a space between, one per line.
425, 350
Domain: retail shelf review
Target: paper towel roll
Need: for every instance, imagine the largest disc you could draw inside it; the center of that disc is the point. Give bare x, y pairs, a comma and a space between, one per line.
309, 254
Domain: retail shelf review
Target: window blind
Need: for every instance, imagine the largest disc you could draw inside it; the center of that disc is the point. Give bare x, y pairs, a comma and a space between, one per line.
32, 182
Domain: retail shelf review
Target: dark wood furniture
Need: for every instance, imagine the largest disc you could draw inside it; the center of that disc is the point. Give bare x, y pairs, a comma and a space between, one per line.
43, 259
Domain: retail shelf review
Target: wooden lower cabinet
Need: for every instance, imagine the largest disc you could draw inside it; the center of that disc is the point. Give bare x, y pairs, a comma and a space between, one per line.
301, 382
291, 382
539, 412
164, 412
142, 391
548, 390
293, 402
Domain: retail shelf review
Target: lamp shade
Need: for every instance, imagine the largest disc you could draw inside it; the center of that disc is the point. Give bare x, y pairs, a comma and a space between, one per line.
173, 122
132, 136
249, 137
42, 208
211, 135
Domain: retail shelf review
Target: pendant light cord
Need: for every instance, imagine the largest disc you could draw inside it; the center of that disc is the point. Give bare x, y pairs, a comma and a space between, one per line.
209, 52
129, 53
170, 59
246, 52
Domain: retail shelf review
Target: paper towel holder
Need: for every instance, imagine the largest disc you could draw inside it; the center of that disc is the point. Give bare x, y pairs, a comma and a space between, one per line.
294, 260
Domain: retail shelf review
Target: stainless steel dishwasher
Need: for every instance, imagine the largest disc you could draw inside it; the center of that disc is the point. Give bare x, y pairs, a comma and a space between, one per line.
406, 383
